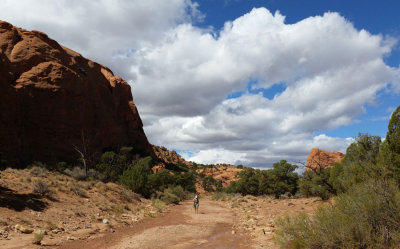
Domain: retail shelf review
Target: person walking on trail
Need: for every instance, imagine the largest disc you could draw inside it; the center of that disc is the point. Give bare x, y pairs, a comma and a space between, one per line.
196, 203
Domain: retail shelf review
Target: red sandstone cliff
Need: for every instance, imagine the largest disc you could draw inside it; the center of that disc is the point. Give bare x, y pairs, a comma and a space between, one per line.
51, 95
323, 159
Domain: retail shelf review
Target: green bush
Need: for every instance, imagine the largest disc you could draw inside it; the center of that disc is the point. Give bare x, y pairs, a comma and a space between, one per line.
114, 163
316, 184
135, 177
358, 165
173, 194
61, 166
169, 198
277, 181
162, 180
390, 150
368, 216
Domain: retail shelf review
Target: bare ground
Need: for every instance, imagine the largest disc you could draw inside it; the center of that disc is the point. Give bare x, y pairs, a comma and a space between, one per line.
180, 228
241, 222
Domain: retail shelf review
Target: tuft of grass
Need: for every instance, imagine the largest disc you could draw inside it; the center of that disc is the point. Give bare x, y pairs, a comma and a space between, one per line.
117, 209
39, 171
157, 204
76, 172
129, 196
78, 190
38, 236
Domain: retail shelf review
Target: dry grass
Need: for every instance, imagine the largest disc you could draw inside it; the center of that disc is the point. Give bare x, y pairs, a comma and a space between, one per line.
75, 205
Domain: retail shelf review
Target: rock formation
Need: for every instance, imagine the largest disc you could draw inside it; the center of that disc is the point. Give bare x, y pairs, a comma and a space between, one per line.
52, 99
323, 159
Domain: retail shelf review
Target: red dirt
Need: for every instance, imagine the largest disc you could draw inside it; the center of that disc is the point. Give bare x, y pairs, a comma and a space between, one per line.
179, 228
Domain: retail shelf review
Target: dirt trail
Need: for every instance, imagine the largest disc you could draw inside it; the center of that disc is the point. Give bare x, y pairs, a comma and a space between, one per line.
179, 228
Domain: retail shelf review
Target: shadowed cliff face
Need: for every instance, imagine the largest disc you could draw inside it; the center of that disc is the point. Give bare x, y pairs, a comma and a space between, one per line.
51, 97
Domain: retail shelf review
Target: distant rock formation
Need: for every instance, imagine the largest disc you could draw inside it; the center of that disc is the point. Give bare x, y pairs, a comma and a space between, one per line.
52, 98
169, 156
220, 172
322, 159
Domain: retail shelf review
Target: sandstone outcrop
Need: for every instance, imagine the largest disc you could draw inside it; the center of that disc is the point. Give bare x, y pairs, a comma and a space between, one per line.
322, 159
169, 156
52, 97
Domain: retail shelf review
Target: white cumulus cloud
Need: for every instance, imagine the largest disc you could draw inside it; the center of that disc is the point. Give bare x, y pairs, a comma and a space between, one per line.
181, 74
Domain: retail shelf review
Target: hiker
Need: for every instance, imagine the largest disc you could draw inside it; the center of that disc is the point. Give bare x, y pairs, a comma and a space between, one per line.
196, 203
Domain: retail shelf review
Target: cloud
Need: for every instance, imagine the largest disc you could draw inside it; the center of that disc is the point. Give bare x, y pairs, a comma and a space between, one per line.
330, 69
181, 74
104, 30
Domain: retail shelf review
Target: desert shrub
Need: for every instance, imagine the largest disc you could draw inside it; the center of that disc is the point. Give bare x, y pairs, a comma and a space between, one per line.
78, 190
157, 204
38, 164
38, 171
94, 174
277, 181
162, 180
390, 149
169, 197
114, 163
181, 167
129, 196
117, 208
77, 173
368, 216
209, 183
358, 165
42, 188
316, 184
173, 194
38, 236
61, 166
179, 191
135, 177
186, 181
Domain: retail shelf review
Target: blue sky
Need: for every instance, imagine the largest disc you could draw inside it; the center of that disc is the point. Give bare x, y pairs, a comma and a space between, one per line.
235, 81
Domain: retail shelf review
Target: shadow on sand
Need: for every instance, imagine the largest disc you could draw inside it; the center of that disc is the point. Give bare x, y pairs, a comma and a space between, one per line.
19, 202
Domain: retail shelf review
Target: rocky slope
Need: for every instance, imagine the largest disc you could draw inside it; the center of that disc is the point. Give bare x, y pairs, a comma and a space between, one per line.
322, 159
52, 99
33, 200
